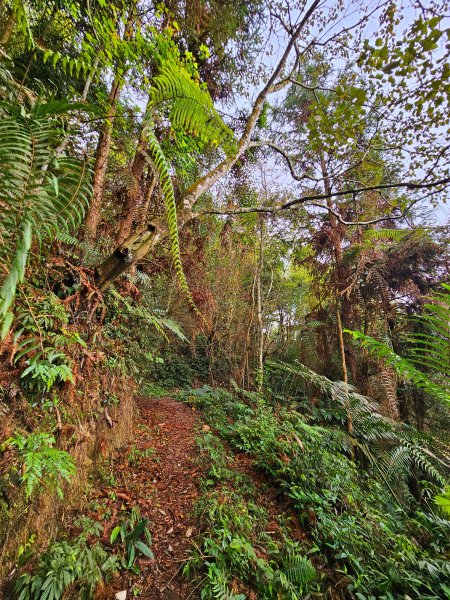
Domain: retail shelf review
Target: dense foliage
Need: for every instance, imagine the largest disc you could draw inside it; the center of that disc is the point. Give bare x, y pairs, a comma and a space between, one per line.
240, 204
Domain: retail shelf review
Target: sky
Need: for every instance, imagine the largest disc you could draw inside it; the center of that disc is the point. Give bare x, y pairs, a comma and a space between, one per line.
276, 41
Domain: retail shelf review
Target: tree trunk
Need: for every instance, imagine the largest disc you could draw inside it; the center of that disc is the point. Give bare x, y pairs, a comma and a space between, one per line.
143, 209
339, 284
129, 253
104, 142
125, 256
133, 198
9, 28
259, 306
101, 161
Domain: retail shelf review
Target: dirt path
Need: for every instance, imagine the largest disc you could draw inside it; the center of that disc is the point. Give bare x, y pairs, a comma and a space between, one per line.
157, 473
173, 477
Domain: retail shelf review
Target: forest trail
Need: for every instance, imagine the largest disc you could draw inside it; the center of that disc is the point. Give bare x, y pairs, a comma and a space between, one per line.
173, 481
162, 481
160, 474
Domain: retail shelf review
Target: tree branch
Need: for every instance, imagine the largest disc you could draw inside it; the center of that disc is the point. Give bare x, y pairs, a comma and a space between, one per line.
205, 183
310, 201
410, 185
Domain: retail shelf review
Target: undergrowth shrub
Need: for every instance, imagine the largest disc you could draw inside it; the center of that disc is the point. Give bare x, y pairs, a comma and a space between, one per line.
42, 339
40, 463
80, 564
384, 549
237, 553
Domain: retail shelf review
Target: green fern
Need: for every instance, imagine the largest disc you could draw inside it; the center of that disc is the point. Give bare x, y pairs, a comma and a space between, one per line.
392, 448
161, 324
404, 367
191, 110
443, 501
431, 347
42, 463
165, 180
20, 12
191, 107
41, 196
380, 234
299, 570
221, 591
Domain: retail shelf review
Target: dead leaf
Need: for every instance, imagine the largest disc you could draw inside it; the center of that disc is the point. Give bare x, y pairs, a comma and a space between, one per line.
189, 532
299, 441
108, 418
121, 595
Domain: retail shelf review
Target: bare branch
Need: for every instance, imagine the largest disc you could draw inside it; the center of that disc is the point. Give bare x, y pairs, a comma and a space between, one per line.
350, 223
285, 155
205, 183
410, 185
276, 209
309, 200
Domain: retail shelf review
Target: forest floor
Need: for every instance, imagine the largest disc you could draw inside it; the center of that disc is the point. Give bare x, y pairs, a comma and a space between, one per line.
159, 474
160, 477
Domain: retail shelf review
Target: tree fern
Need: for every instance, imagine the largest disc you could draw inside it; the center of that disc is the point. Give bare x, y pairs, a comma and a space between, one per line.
393, 448
190, 110
41, 196
190, 107
430, 349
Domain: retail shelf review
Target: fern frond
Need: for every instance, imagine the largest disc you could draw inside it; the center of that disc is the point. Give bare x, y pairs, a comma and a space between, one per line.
191, 108
40, 196
299, 570
165, 180
161, 324
402, 366
382, 233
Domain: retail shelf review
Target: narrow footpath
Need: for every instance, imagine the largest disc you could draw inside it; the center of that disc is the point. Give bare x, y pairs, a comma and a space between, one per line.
158, 475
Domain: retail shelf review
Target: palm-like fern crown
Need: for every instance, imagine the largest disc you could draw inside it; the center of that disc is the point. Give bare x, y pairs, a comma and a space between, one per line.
190, 107
393, 448
428, 363
190, 110
41, 195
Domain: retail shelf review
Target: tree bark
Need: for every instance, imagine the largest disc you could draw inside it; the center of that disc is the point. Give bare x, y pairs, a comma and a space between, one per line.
260, 306
129, 253
133, 198
101, 161
336, 240
143, 209
104, 142
9, 28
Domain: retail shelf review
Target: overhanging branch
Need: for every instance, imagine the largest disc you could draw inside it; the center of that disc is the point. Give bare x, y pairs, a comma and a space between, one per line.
310, 200
410, 185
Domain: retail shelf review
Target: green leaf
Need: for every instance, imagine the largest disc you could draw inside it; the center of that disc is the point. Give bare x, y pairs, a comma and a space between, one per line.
144, 549
114, 533
6, 324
